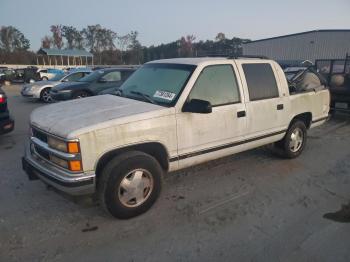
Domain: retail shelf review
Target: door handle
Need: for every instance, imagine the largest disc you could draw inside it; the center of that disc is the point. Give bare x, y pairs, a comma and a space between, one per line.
280, 107
241, 114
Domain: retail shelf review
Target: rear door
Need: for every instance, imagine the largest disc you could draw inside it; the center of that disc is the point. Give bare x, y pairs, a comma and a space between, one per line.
267, 105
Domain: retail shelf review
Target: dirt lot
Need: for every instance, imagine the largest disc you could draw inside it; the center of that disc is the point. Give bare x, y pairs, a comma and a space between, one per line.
248, 207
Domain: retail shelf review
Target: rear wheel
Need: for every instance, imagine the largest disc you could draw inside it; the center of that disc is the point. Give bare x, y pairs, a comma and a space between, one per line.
294, 141
80, 94
45, 95
130, 184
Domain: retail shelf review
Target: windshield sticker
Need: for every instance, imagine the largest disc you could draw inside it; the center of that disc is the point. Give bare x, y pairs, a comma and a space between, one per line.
164, 95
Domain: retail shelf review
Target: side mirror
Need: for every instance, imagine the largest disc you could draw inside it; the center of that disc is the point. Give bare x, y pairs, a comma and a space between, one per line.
197, 106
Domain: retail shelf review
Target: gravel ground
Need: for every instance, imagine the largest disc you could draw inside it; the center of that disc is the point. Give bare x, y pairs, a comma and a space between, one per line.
251, 206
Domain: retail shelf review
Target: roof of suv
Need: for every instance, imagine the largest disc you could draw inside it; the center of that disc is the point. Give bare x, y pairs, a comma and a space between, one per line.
200, 60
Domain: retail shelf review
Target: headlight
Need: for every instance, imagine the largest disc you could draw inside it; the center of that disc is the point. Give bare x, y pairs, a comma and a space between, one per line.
57, 144
71, 147
72, 165
26, 88
58, 161
63, 146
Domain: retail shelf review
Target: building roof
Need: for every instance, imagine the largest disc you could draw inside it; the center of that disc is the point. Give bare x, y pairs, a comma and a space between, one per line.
302, 33
64, 52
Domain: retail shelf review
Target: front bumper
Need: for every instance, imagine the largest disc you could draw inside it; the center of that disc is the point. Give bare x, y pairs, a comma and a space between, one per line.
6, 126
72, 184
29, 93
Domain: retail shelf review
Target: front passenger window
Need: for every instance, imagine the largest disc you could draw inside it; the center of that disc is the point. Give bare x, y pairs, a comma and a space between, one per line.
216, 84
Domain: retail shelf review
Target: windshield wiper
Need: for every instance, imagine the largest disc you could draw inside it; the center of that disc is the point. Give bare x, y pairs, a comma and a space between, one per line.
144, 96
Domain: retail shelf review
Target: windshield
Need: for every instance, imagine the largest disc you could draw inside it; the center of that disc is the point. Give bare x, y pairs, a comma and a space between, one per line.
57, 77
158, 83
92, 77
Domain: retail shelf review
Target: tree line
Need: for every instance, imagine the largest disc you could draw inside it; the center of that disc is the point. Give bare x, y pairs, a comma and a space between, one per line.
109, 47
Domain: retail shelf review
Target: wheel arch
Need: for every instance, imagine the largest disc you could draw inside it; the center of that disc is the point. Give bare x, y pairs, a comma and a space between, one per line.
155, 149
44, 88
305, 117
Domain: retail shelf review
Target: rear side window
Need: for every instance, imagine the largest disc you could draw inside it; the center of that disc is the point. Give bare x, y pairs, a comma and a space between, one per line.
112, 76
261, 81
216, 84
75, 76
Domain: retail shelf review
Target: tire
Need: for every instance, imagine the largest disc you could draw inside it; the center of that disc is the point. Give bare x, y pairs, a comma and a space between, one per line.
44, 78
122, 175
294, 142
80, 94
45, 95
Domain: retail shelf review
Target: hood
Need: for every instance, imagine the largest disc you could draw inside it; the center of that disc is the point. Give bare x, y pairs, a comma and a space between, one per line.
73, 118
70, 85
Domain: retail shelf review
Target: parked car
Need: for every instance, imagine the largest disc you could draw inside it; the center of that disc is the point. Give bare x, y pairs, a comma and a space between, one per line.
92, 84
171, 114
2, 73
6, 122
337, 74
22, 75
41, 89
47, 74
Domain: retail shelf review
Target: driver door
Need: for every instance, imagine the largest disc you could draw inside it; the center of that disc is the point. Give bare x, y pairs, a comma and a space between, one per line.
203, 137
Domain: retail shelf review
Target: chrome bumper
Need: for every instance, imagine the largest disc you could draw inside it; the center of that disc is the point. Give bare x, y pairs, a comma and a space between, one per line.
70, 183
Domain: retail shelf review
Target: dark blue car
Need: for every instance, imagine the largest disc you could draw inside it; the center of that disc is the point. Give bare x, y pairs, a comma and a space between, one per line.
96, 83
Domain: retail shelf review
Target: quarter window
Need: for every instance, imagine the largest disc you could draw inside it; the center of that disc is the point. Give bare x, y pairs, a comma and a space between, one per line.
216, 84
261, 81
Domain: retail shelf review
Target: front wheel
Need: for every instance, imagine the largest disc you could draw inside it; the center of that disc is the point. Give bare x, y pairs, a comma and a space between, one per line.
294, 141
45, 95
130, 184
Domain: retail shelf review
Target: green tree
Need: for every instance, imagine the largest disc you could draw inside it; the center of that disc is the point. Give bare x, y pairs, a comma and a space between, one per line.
46, 42
56, 31
11, 39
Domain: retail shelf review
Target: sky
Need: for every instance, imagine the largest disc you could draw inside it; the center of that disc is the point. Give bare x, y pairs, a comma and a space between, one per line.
163, 21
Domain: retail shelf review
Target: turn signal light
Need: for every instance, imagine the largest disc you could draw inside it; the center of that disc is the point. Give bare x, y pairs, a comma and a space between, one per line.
75, 165
73, 147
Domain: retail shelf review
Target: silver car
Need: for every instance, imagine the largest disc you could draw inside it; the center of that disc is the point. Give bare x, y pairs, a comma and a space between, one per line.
41, 89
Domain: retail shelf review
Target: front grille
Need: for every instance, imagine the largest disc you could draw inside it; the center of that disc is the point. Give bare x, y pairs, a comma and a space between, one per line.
40, 135
42, 152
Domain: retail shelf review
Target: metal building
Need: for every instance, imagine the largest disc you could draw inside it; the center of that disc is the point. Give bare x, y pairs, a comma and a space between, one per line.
74, 57
295, 48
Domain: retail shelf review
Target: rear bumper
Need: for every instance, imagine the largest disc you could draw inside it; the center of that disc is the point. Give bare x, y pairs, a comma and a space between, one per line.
6, 126
72, 184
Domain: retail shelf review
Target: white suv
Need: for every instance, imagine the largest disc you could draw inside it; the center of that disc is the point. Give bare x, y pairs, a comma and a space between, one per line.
170, 114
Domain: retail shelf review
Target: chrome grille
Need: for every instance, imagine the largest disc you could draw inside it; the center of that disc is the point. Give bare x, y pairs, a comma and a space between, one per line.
43, 153
39, 135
